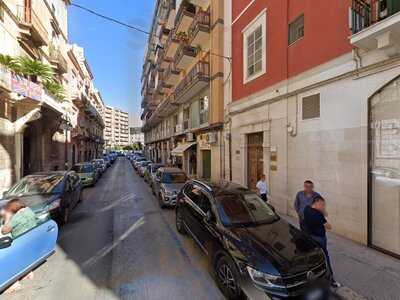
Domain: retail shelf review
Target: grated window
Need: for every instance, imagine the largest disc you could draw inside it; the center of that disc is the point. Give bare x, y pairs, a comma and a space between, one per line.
311, 107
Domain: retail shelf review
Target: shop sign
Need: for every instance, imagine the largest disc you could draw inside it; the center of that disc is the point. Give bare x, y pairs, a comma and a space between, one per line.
204, 143
5, 78
26, 88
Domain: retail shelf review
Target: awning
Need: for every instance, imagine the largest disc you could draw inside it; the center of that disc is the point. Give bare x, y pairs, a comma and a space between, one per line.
178, 151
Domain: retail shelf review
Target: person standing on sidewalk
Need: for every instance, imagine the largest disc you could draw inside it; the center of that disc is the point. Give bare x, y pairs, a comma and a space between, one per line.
262, 189
316, 226
304, 198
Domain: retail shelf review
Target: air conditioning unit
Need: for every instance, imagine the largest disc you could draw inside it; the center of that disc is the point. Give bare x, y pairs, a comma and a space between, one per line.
189, 137
212, 137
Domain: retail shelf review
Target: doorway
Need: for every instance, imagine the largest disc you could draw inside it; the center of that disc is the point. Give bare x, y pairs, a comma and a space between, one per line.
206, 155
384, 169
255, 164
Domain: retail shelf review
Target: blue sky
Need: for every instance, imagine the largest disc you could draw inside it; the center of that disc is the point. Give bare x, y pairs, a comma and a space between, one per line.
115, 53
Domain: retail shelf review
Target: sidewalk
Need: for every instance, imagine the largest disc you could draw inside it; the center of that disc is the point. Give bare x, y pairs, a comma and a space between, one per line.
363, 272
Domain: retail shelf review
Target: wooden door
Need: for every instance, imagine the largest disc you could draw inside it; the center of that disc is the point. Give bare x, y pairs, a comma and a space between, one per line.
255, 164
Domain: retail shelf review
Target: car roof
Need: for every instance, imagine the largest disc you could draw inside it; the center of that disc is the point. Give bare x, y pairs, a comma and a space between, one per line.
171, 170
84, 163
49, 173
222, 187
157, 165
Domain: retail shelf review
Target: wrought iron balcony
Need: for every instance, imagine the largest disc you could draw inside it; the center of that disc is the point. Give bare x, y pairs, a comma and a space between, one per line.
376, 25
171, 75
31, 26
172, 45
197, 78
185, 56
58, 60
366, 13
184, 16
199, 31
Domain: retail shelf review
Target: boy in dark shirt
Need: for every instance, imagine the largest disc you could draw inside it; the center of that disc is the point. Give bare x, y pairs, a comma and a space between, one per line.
316, 226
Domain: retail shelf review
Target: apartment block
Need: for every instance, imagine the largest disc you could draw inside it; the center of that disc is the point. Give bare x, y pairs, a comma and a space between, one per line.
182, 87
116, 127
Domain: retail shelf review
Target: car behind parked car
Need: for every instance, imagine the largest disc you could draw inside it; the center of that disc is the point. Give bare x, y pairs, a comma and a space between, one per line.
150, 172
100, 164
56, 193
142, 167
252, 250
167, 184
87, 172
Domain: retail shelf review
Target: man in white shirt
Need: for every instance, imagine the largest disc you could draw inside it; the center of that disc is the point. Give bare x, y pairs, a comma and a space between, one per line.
262, 189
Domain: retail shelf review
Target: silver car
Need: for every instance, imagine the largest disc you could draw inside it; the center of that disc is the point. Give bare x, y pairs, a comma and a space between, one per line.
167, 184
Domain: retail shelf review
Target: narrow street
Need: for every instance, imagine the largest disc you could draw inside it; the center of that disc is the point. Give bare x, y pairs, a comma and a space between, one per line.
120, 244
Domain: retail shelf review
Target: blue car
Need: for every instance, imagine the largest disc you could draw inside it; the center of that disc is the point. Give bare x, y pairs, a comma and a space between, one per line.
21, 255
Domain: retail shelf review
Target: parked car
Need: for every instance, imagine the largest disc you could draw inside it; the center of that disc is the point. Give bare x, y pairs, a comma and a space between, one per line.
100, 164
142, 167
107, 160
150, 172
22, 254
253, 251
56, 193
137, 162
87, 173
167, 184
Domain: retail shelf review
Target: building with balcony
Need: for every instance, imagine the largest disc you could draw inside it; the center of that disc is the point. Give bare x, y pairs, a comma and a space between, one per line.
182, 87
315, 99
37, 129
87, 136
116, 128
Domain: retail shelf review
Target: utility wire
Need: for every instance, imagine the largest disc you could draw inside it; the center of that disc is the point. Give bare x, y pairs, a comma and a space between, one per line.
128, 25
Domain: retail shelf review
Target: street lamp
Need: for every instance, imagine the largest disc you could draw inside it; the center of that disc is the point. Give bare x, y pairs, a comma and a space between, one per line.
66, 125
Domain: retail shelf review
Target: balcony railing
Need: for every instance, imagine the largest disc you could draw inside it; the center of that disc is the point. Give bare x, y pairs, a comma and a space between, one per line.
201, 22
200, 72
185, 11
58, 58
27, 17
365, 13
184, 51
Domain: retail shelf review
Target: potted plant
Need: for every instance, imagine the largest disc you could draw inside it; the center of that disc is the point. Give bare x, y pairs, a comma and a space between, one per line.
182, 37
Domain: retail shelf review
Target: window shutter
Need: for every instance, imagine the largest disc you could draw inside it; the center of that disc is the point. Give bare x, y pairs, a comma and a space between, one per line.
311, 107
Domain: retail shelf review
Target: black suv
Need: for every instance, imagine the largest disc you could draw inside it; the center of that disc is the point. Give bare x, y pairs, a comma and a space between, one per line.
252, 250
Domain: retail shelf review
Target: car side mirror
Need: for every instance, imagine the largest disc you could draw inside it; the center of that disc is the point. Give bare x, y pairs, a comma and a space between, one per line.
5, 242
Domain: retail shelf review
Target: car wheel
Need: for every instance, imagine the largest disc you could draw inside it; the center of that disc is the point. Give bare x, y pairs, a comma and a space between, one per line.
228, 278
179, 222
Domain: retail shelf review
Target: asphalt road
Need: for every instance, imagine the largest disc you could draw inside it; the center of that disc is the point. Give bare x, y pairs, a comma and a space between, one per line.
119, 244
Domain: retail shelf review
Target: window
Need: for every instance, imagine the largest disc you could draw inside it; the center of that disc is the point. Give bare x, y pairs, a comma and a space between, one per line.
296, 29
186, 116
204, 110
311, 107
254, 39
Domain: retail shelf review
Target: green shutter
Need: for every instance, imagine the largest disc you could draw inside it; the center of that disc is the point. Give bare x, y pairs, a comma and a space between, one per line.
393, 6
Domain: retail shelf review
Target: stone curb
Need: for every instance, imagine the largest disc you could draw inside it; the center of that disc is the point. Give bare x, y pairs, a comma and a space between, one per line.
345, 293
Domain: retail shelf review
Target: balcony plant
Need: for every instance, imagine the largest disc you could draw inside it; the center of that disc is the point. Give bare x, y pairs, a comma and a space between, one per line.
182, 37
9, 63
34, 69
56, 89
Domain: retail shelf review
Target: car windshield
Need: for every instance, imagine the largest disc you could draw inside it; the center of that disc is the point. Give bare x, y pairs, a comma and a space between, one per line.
37, 185
173, 178
144, 163
83, 169
244, 209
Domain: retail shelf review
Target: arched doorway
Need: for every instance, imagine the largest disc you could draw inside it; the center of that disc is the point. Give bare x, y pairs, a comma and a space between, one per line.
384, 169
